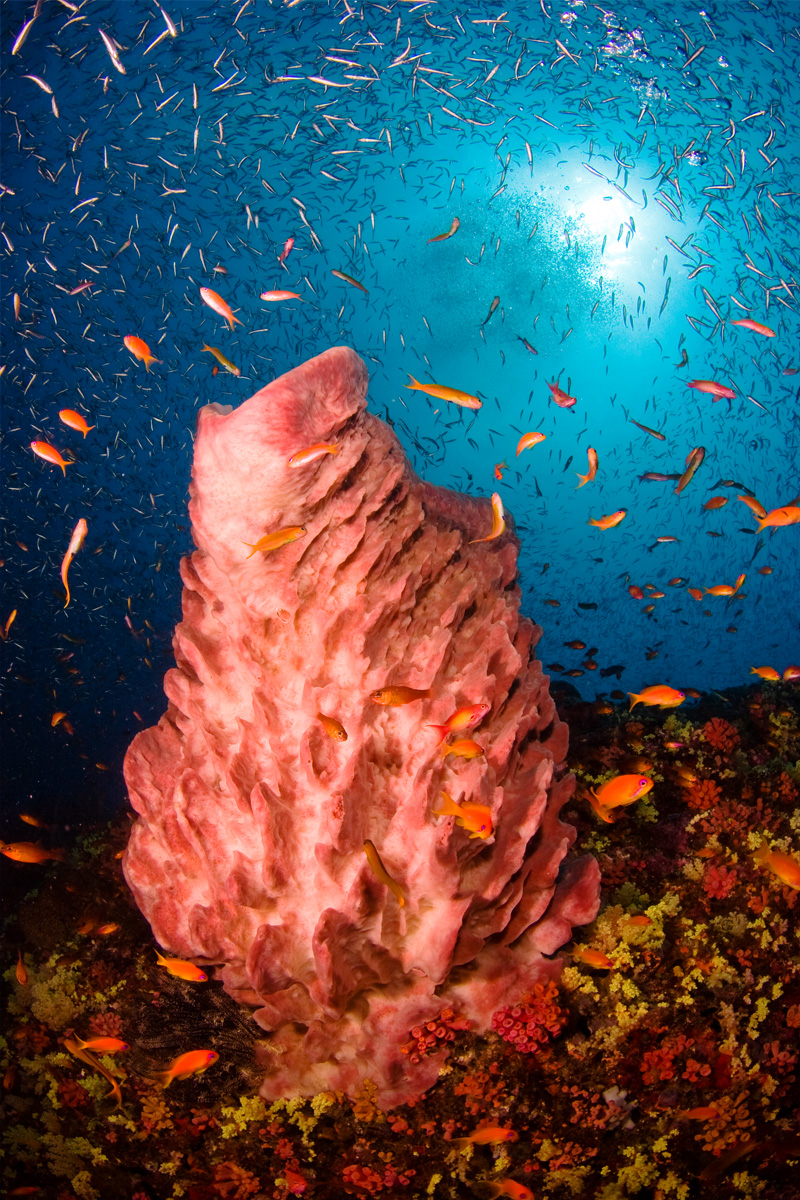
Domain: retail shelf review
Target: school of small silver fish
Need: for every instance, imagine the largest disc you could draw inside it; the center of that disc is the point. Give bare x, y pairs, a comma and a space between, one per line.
550, 218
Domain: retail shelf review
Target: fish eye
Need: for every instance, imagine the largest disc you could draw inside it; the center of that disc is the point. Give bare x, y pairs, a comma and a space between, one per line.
643, 781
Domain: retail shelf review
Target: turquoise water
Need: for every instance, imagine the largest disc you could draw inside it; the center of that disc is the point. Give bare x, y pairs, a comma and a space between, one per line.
624, 204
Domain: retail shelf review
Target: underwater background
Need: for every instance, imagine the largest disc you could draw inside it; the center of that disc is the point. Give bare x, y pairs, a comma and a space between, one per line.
626, 187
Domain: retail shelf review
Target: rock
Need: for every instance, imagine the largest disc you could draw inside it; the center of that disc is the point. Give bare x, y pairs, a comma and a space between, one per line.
248, 852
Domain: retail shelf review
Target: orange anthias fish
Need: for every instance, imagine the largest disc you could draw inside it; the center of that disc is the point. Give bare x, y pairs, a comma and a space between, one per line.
219, 306
102, 1045
193, 1062
463, 748
376, 862
754, 505
529, 439
660, 694
463, 718
50, 454
181, 969
498, 521
477, 818
399, 695
791, 674
278, 294
274, 541
332, 727
487, 1135
788, 515
766, 673
590, 474
302, 457
693, 461
86, 1056
140, 349
30, 852
75, 420
464, 399
441, 237
560, 397
75, 543
592, 958
509, 1187
621, 790
609, 521
784, 866
20, 970
718, 390
726, 589
498, 470
755, 327
715, 502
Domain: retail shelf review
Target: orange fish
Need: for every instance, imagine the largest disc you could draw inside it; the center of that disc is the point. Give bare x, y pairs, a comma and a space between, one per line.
399, 695
725, 589
641, 919
102, 1045
718, 390
463, 748
21, 972
791, 674
140, 349
636, 592
376, 862
693, 461
463, 718
181, 969
703, 1113
508, 1187
57, 717
302, 457
487, 1135
766, 673
765, 570
86, 1056
529, 439
441, 237
621, 790
75, 420
499, 468
695, 593
9, 622
715, 502
464, 399
50, 454
219, 306
788, 515
590, 474
193, 1062
498, 521
477, 818
75, 543
592, 958
755, 327
784, 866
610, 521
560, 397
277, 295
274, 541
30, 852
754, 505
332, 727
660, 694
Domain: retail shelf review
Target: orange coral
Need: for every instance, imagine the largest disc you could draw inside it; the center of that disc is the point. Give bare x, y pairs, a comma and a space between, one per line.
720, 735
703, 794
234, 1182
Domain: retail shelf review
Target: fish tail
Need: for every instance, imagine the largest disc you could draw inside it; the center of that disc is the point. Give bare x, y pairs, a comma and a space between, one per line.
89, 429
761, 855
634, 699
583, 479
414, 383
162, 1078
66, 588
334, 450
442, 730
252, 549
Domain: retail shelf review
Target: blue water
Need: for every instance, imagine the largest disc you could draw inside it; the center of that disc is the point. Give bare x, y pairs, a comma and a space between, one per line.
589, 186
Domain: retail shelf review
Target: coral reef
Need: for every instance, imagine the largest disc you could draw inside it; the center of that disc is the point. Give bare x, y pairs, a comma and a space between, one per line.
249, 847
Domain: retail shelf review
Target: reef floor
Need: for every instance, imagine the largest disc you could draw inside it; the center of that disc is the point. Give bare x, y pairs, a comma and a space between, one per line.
664, 1064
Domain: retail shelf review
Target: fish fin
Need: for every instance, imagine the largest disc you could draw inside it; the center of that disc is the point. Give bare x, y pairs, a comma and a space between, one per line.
583, 479
443, 730
634, 699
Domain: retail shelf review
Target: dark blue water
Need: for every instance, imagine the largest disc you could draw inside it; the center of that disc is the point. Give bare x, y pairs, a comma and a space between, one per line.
623, 203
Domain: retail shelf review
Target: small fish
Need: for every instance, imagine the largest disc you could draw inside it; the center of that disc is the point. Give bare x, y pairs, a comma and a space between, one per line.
660, 694
765, 570
508, 1187
529, 439
725, 589
754, 505
20, 970
646, 428
86, 1056
75, 543
560, 397
527, 345
576, 645
75, 421
487, 1135
608, 522
193, 1062
102, 1045
718, 390
218, 305
399, 695
766, 673
788, 515
784, 866
592, 958
30, 852
463, 748
498, 521
658, 476
477, 818
222, 360
755, 327
140, 349
302, 457
50, 454
640, 920
498, 470
274, 541
349, 279
791, 674
112, 52
444, 236
592, 472
463, 718
284, 254
332, 727
375, 861
715, 502
619, 791
693, 461
277, 295
181, 969
464, 399
492, 308
9, 622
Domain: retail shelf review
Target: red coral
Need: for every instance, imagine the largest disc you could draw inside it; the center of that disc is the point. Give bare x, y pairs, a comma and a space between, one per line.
531, 1023
719, 881
657, 1064
434, 1034
703, 794
106, 1024
71, 1094
369, 1181
720, 735
782, 790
